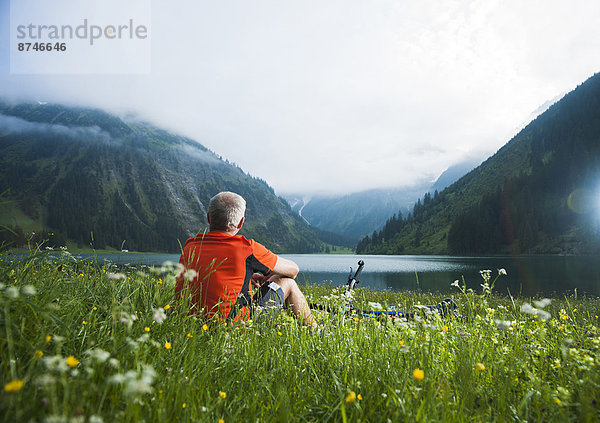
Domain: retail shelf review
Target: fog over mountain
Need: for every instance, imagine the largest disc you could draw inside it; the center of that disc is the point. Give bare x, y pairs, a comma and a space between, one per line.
537, 195
357, 214
73, 175
327, 97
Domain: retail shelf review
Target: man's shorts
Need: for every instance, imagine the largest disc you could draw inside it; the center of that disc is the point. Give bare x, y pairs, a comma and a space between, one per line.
269, 300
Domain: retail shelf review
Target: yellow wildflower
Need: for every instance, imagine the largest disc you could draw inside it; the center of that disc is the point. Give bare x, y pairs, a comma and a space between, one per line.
279, 333
351, 397
168, 345
557, 401
419, 374
222, 394
167, 306
94, 308
204, 327
183, 405
84, 322
39, 354
13, 386
72, 361
146, 329
401, 342
189, 335
445, 328
48, 338
359, 397
221, 421
480, 367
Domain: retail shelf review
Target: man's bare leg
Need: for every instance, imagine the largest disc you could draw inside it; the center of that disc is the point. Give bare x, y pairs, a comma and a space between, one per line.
295, 299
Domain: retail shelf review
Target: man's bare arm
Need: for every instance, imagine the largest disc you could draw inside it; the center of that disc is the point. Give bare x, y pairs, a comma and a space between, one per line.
285, 267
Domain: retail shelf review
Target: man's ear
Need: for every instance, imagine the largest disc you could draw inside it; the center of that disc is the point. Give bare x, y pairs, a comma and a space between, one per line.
239, 226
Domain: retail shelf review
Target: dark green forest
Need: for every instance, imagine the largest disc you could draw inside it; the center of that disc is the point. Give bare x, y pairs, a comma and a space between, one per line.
539, 194
92, 178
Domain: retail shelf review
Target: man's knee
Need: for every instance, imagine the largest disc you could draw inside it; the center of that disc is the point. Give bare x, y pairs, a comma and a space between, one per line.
288, 285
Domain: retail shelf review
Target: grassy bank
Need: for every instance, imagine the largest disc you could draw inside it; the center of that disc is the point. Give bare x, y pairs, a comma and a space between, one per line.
90, 344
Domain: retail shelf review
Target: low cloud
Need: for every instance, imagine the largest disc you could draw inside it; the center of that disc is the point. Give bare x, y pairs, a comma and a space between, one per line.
200, 154
12, 125
341, 96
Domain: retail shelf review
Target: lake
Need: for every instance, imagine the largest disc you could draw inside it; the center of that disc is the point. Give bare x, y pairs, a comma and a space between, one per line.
526, 275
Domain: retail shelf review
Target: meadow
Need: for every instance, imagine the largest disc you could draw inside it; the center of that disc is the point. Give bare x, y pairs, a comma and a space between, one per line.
88, 343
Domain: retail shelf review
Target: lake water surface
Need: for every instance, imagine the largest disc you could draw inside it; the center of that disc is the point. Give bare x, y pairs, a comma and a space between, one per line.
526, 275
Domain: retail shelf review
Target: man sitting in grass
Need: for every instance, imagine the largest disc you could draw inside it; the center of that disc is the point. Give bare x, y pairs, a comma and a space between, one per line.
221, 268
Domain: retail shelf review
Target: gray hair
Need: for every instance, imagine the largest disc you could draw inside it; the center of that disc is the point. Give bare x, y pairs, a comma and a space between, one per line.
226, 209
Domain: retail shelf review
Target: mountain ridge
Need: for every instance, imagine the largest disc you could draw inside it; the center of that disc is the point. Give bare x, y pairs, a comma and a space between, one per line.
339, 214
76, 171
518, 199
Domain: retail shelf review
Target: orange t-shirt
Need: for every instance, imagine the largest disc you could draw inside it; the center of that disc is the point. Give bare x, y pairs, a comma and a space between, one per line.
224, 265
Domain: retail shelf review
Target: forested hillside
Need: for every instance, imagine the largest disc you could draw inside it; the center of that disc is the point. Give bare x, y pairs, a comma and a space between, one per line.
540, 193
90, 177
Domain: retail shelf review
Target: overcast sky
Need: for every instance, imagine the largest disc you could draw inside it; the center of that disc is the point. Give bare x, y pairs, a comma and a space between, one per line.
338, 96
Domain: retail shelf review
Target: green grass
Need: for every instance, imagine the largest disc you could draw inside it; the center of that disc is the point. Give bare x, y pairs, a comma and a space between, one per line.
75, 249
342, 250
128, 367
11, 215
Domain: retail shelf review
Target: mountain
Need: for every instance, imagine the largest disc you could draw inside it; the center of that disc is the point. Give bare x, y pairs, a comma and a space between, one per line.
537, 194
453, 174
84, 175
354, 215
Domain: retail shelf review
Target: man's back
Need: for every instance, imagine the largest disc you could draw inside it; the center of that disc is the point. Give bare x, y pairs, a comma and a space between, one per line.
224, 266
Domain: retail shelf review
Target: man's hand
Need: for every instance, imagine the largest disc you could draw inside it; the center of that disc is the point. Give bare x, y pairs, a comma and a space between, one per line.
258, 279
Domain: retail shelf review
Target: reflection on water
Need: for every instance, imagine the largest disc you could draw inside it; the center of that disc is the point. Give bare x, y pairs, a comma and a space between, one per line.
529, 275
